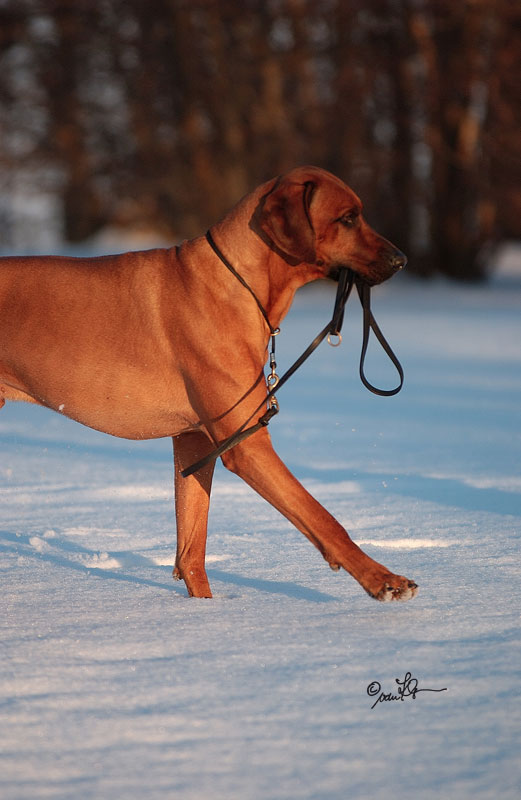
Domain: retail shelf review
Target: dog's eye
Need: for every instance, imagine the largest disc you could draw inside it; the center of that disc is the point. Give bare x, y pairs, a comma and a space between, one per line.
350, 220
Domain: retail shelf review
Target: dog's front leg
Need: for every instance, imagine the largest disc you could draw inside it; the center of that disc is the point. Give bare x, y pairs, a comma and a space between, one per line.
192, 499
257, 463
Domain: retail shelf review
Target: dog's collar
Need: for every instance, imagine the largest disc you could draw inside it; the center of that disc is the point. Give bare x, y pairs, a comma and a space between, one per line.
273, 378
218, 252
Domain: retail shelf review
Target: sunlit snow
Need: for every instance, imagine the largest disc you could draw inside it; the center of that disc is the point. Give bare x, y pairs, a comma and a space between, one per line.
115, 685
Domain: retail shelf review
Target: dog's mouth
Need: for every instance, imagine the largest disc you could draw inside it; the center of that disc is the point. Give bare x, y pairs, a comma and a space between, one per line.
374, 273
335, 273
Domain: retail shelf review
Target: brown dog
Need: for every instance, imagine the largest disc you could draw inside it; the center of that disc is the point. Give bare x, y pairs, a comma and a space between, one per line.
169, 343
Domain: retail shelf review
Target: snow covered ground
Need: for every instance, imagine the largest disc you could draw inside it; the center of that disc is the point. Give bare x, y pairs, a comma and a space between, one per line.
115, 685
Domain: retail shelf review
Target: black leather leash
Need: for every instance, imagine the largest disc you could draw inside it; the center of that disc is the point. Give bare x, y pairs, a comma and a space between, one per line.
346, 281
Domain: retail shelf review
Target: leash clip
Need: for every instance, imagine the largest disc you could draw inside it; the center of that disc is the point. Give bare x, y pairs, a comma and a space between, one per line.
272, 379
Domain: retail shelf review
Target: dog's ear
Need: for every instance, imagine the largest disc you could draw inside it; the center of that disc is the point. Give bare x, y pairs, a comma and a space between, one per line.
285, 220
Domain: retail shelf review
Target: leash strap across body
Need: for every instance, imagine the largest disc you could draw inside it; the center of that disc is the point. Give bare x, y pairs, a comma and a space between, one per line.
332, 329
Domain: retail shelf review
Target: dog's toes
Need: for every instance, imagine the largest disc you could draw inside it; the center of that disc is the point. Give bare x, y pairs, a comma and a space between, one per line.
395, 587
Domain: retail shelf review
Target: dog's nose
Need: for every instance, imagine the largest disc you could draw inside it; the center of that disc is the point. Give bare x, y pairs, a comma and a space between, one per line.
398, 260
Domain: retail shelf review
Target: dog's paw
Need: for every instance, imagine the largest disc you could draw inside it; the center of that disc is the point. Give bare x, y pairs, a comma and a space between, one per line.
394, 587
195, 579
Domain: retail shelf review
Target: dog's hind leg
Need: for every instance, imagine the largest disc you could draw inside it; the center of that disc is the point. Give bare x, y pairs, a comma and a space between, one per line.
192, 500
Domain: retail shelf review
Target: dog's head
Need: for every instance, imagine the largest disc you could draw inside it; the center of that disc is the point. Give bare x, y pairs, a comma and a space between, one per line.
310, 216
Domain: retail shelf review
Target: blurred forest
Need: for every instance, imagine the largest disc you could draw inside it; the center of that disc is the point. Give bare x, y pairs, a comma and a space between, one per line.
163, 113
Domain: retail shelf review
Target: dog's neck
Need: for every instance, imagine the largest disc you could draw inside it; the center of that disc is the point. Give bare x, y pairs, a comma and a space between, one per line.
273, 280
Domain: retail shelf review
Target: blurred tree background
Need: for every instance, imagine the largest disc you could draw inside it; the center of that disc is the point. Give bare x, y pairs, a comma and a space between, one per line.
162, 113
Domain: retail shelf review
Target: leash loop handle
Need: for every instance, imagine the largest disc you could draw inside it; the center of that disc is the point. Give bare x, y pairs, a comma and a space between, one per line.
369, 324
